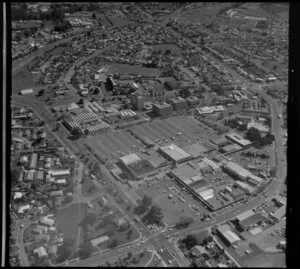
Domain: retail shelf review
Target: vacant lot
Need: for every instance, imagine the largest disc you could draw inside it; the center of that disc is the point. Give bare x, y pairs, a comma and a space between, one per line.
69, 219
22, 80
88, 187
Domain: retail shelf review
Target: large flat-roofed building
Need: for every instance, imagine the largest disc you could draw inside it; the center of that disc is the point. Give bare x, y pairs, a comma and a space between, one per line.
245, 215
174, 153
178, 103
244, 186
228, 236
238, 139
185, 174
237, 170
162, 109
254, 180
137, 100
26, 91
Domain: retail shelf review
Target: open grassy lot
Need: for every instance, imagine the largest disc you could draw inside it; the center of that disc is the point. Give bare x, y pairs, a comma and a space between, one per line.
134, 70
172, 208
88, 187
22, 80
68, 219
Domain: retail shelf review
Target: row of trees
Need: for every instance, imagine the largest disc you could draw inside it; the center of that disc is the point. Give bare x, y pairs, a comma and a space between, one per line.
153, 213
254, 135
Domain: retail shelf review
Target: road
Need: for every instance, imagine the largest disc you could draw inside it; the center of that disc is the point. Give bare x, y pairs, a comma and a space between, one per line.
20, 241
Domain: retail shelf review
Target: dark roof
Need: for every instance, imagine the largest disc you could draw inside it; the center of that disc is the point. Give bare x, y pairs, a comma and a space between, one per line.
252, 220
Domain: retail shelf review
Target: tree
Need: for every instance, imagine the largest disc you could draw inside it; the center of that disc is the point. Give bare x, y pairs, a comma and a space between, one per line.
154, 216
94, 16
27, 32
76, 132
15, 173
96, 91
41, 92
184, 222
113, 243
85, 250
190, 241
253, 134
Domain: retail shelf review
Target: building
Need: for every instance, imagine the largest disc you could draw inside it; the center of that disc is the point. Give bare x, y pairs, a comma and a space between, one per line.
29, 175
26, 91
174, 153
40, 175
229, 237
207, 194
33, 161
245, 215
46, 221
192, 101
137, 101
244, 186
197, 251
178, 103
40, 252
99, 240
56, 193
162, 109
263, 129
130, 159
238, 139
23, 208
237, 170
279, 213
59, 173
252, 221
254, 180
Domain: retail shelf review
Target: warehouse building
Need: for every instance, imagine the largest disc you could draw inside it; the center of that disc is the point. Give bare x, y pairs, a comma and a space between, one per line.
174, 153
26, 91
236, 170
229, 237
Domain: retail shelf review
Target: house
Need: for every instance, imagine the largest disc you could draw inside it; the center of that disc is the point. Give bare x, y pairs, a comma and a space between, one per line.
45, 220
197, 251
40, 252
23, 208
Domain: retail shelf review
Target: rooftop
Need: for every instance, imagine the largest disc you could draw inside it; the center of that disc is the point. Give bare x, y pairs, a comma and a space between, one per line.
174, 152
130, 159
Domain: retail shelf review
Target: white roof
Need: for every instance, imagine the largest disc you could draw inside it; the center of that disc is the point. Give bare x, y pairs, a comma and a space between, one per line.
207, 194
95, 242
131, 158
60, 172
23, 207
175, 152
212, 164
255, 178
40, 251
18, 195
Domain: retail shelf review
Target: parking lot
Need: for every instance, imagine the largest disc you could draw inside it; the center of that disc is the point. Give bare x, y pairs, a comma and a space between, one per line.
174, 201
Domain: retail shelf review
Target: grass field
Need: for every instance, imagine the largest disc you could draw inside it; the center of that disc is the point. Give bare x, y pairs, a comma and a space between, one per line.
112, 143
22, 80
191, 130
134, 70
88, 187
69, 218
120, 143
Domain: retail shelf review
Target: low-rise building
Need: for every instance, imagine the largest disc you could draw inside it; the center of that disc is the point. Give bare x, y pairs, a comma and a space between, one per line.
40, 252
99, 240
162, 109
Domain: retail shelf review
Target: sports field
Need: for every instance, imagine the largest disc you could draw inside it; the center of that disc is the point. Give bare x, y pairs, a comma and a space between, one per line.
114, 143
119, 143
191, 130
